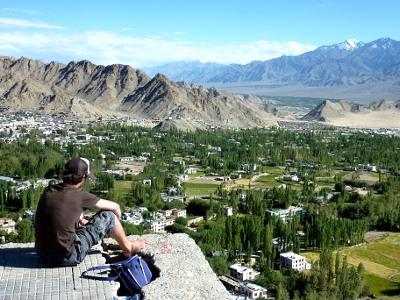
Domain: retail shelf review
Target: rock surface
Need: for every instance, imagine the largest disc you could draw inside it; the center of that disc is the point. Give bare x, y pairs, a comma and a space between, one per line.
184, 271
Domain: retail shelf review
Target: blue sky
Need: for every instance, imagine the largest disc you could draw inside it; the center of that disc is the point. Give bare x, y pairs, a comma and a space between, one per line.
146, 33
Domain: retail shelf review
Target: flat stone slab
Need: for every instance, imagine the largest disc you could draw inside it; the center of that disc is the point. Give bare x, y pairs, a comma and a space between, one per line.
184, 271
23, 276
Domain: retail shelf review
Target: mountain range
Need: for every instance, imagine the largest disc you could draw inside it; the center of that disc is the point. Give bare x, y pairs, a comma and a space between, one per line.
86, 90
350, 67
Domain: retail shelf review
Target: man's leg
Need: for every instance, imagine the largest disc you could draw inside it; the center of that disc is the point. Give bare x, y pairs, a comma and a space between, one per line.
128, 248
118, 234
101, 224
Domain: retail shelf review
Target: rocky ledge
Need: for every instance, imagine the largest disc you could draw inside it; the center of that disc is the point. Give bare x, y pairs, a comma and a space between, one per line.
184, 272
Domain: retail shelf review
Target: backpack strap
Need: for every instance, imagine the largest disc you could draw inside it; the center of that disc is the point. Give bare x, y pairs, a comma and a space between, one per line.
97, 277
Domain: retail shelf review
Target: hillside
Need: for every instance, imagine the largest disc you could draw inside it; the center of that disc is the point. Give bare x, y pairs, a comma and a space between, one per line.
161, 98
87, 90
376, 114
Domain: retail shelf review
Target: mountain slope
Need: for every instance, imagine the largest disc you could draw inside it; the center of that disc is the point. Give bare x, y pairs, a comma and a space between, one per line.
162, 98
90, 91
377, 114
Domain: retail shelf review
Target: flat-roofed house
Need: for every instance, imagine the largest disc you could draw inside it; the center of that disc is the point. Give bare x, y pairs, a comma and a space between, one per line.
243, 273
293, 261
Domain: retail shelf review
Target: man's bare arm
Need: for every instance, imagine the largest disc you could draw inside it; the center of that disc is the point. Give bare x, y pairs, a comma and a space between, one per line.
109, 205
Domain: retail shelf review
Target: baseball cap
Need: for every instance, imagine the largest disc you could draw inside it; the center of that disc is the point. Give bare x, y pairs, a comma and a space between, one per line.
79, 166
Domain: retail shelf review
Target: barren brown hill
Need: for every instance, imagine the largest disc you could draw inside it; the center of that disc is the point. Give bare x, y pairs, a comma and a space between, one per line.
377, 114
161, 98
87, 90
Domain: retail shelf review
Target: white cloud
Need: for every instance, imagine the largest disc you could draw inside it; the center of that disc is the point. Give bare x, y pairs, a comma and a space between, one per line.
23, 23
12, 10
107, 47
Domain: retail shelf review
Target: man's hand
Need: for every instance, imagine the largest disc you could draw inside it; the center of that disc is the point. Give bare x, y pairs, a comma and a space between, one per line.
83, 221
109, 205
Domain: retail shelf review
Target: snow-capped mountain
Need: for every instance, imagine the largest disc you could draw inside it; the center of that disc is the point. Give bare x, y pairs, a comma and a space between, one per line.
349, 63
348, 45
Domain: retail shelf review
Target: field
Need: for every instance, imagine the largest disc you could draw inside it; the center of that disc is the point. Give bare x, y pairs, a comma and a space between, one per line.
197, 174
132, 167
381, 261
199, 189
269, 178
122, 186
369, 178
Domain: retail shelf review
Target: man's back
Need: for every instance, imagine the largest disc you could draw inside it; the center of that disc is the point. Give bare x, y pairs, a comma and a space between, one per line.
57, 218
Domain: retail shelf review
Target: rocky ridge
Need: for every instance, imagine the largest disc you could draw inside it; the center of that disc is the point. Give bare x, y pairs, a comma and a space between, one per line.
87, 90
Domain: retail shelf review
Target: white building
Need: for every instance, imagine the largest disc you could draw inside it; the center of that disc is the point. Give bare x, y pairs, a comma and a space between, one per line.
126, 158
253, 291
8, 179
156, 225
172, 191
291, 260
285, 214
135, 217
147, 181
290, 177
191, 171
243, 273
169, 221
167, 198
179, 212
228, 211
7, 225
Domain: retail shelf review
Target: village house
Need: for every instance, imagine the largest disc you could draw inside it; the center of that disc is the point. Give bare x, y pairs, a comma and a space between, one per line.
7, 225
167, 198
285, 214
291, 177
182, 178
8, 179
126, 158
166, 213
253, 291
135, 217
235, 176
169, 221
324, 198
243, 273
191, 170
179, 212
156, 225
172, 191
228, 211
293, 261
248, 167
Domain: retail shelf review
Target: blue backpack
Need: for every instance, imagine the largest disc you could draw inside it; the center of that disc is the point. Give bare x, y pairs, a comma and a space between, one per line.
133, 272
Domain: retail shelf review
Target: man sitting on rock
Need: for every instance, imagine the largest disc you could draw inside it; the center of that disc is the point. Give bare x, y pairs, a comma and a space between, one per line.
63, 237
